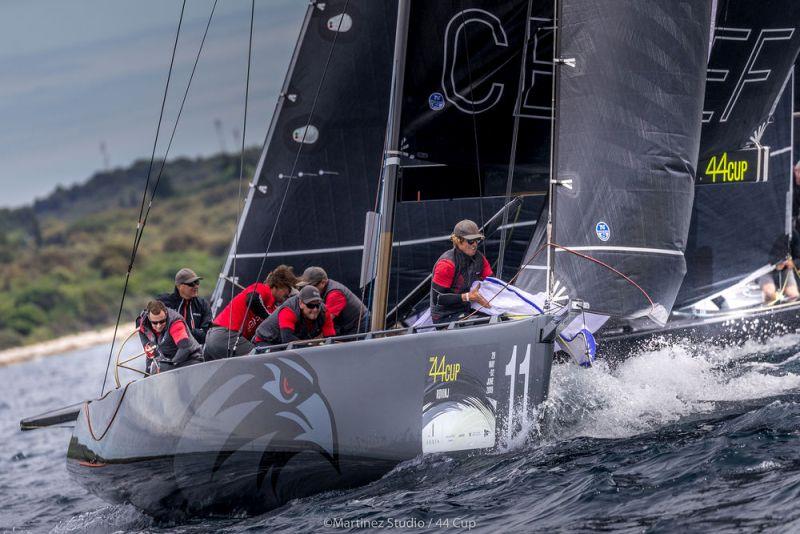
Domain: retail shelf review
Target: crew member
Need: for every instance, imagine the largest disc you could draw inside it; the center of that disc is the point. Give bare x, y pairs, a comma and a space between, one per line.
349, 314
454, 273
235, 325
782, 277
195, 310
166, 339
300, 317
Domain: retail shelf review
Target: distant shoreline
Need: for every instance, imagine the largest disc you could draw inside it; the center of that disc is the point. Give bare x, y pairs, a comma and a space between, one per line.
84, 340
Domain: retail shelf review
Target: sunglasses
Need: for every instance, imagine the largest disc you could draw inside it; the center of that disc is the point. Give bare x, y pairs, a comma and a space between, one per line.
472, 241
313, 305
193, 284
156, 323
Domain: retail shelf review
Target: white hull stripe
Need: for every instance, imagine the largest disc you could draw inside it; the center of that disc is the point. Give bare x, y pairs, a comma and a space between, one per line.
353, 248
642, 250
535, 267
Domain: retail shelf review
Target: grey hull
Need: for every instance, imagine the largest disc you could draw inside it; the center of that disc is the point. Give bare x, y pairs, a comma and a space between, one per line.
253, 432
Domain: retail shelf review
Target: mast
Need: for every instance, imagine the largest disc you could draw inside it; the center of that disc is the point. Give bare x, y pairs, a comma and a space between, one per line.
551, 202
391, 163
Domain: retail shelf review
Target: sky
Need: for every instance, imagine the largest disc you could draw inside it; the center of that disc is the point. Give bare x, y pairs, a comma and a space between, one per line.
80, 74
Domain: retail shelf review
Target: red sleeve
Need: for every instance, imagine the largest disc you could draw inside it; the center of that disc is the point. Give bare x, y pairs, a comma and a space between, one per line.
327, 327
487, 269
443, 273
334, 303
178, 331
286, 319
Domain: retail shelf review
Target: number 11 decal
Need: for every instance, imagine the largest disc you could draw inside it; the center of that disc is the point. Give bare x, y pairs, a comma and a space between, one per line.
512, 371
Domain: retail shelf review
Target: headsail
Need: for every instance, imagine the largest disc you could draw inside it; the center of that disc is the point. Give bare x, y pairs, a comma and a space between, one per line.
628, 133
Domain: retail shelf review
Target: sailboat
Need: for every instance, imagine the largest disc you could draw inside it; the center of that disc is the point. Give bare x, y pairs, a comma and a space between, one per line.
251, 433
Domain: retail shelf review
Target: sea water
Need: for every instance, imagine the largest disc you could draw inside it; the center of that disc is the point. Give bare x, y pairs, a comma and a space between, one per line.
678, 438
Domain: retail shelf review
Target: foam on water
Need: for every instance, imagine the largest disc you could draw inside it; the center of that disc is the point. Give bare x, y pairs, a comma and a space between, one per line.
657, 387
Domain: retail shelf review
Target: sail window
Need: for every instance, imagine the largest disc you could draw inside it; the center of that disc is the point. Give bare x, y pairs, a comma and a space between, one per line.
340, 23
306, 134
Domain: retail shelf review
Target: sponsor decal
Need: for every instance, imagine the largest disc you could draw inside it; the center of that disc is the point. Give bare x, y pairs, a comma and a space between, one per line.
442, 371
490, 378
436, 101
603, 231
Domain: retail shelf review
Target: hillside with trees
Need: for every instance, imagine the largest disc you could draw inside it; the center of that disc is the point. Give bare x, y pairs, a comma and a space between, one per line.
63, 259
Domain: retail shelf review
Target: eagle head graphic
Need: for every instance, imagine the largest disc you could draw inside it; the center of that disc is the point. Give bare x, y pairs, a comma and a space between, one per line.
264, 431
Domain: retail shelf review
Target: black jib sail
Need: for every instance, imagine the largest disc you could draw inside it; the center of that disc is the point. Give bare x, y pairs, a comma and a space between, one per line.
629, 104
739, 215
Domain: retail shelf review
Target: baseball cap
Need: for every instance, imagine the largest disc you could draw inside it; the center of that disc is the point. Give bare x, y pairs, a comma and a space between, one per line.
309, 295
186, 276
467, 229
313, 276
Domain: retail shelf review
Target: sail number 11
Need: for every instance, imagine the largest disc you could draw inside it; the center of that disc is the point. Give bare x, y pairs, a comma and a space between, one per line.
513, 370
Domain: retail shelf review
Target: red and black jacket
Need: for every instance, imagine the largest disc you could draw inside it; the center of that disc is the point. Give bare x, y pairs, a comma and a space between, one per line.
247, 309
453, 275
174, 345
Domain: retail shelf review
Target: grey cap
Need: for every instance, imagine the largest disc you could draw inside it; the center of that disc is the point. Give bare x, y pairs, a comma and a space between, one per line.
467, 229
309, 295
313, 276
186, 276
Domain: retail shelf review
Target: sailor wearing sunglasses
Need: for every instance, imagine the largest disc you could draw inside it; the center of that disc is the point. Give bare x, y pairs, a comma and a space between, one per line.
302, 316
454, 273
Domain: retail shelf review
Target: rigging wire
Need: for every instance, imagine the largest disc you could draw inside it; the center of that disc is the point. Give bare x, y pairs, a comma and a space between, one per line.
241, 170
579, 254
142, 221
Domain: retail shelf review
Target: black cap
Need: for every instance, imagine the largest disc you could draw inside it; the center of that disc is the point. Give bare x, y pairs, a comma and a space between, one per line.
310, 295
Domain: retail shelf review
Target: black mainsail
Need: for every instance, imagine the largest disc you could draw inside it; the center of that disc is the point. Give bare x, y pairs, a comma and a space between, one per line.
329, 146
318, 171
629, 105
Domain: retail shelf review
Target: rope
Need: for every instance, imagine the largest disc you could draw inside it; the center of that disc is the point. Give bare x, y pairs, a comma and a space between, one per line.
579, 254
141, 222
113, 416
